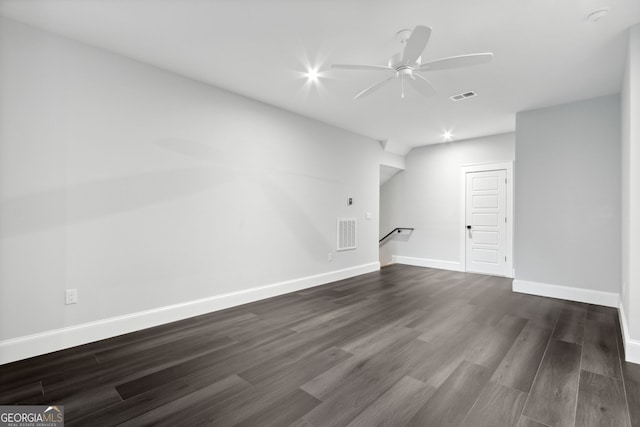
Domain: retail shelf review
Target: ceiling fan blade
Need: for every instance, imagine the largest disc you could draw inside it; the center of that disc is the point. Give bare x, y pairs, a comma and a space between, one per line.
457, 61
422, 85
361, 67
373, 87
416, 44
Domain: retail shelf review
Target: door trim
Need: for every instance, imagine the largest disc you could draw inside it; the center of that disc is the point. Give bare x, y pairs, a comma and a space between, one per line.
485, 167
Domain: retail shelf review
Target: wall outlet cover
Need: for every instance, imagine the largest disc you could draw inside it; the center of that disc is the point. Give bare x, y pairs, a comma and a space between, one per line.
71, 296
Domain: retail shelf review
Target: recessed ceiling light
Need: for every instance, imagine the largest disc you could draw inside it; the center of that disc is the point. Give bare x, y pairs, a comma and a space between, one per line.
312, 75
447, 135
597, 15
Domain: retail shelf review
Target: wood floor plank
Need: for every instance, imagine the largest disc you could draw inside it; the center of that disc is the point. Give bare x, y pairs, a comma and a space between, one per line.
229, 359
486, 293
261, 401
293, 309
397, 316
452, 401
450, 324
444, 357
289, 409
497, 405
22, 372
490, 351
570, 326
351, 394
362, 365
631, 373
78, 406
601, 313
251, 329
169, 396
301, 422
19, 374
601, 402
192, 343
21, 393
491, 313
183, 409
324, 316
294, 371
397, 405
378, 338
126, 369
528, 422
518, 368
600, 353
543, 312
435, 312
215, 322
168, 338
553, 395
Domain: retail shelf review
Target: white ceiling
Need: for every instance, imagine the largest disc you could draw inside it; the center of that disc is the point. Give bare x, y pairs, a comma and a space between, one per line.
545, 53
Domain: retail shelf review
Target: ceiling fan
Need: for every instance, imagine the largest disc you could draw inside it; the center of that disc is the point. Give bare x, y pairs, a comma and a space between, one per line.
408, 65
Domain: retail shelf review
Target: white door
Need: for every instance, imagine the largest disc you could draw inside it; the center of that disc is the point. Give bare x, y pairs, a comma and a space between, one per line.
486, 222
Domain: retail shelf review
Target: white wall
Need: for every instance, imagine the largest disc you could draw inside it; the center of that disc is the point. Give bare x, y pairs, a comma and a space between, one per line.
567, 195
143, 189
426, 196
630, 294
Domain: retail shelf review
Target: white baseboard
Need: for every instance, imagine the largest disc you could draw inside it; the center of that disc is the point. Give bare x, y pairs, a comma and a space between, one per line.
608, 299
631, 346
71, 336
425, 262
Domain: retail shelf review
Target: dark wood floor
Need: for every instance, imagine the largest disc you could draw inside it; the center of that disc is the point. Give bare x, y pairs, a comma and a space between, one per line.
403, 346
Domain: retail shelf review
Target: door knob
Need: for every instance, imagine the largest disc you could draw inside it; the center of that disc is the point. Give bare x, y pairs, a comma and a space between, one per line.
468, 227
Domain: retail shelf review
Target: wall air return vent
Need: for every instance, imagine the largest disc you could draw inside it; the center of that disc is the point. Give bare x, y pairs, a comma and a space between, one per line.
465, 95
346, 234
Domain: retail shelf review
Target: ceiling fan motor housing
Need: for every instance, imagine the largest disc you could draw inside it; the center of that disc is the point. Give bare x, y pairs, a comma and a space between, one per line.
396, 61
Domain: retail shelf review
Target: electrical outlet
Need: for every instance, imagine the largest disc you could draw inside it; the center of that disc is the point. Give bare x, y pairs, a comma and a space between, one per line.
71, 296
330, 256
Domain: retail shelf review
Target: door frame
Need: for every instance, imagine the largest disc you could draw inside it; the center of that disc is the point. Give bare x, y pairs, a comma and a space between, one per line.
485, 167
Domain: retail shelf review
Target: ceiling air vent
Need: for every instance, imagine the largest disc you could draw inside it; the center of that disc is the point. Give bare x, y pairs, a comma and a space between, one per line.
346, 234
465, 95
